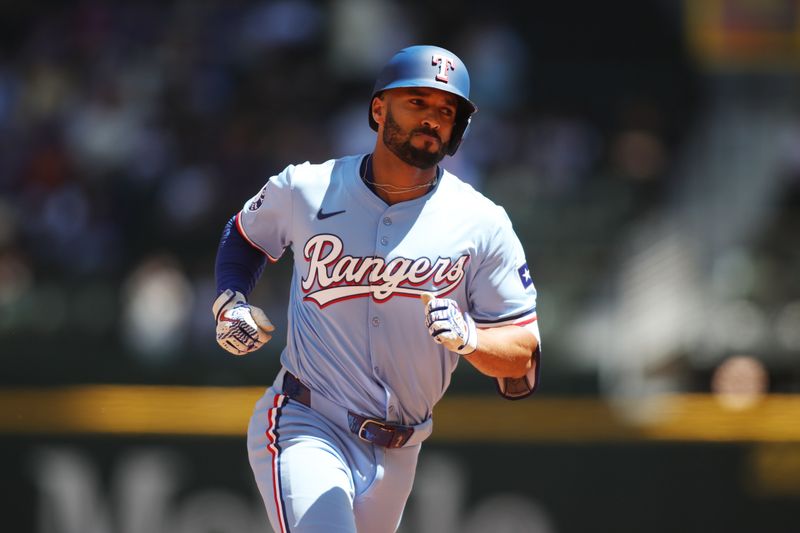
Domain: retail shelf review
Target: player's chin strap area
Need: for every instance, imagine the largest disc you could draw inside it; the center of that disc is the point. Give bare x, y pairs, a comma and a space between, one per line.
378, 432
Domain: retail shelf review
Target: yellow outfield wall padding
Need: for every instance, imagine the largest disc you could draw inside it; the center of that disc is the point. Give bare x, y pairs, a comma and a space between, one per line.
225, 411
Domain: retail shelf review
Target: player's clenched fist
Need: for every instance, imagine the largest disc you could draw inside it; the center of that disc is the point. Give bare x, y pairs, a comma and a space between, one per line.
241, 327
449, 326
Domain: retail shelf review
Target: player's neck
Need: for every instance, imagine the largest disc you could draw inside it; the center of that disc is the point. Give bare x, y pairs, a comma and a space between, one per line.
390, 170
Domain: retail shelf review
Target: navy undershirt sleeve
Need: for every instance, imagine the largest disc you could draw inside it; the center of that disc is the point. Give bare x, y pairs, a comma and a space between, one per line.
239, 265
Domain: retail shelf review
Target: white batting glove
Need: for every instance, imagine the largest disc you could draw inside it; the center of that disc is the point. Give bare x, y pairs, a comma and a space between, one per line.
241, 328
448, 326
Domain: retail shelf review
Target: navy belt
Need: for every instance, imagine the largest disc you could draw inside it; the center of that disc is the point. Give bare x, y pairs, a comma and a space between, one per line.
377, 432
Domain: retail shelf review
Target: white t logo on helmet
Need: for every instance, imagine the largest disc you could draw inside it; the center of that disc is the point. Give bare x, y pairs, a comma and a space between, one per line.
445, 63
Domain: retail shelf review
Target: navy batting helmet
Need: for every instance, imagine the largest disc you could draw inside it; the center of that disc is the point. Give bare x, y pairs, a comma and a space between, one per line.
434, 67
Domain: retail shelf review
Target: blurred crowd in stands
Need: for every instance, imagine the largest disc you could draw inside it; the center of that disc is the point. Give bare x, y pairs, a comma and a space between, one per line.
131, 132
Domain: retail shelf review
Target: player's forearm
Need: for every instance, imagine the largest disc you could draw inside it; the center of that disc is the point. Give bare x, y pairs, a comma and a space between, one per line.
238, 264
505, 351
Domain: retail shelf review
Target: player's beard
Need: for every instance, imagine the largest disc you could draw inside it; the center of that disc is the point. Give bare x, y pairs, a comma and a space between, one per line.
399, 143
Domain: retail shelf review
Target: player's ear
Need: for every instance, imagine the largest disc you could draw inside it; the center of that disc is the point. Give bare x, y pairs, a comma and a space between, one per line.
378, 108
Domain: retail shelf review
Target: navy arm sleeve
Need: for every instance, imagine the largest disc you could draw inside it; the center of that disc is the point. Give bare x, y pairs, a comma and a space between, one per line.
238, 265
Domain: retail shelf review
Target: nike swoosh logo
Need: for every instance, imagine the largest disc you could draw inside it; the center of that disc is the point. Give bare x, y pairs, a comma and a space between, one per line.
323, 216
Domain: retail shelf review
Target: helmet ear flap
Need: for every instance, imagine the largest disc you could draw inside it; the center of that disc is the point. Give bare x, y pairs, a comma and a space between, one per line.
460, 128
459, 132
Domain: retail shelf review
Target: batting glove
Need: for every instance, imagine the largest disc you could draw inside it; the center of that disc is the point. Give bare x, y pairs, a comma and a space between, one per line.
449, 326
241, 327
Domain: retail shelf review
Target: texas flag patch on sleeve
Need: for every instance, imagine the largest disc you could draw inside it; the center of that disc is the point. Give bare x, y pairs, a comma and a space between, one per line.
525, 276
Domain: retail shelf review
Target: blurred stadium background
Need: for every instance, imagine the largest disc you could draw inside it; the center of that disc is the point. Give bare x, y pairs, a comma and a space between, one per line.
648, 153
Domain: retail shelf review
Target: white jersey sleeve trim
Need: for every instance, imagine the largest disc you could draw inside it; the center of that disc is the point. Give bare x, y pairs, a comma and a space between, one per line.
243, 233
520, 319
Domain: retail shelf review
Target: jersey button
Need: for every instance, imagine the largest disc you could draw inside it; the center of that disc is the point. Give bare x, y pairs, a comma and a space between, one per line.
376, 322
384, 240
387, 221
392, 409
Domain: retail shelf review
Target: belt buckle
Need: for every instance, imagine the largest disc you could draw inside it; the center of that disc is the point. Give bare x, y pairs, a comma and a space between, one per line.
363, 428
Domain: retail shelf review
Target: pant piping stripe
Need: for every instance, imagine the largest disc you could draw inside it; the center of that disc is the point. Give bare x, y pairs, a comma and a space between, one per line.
273, 415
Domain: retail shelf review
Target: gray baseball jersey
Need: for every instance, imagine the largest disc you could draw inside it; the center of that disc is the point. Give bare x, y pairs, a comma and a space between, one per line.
356, 330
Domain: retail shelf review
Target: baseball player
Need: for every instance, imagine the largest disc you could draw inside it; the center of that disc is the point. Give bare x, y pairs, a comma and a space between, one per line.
400, 271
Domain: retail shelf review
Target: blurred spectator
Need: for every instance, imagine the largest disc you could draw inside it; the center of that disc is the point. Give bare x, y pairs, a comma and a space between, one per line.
364, 34
739, 382
16, 279
156, 310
